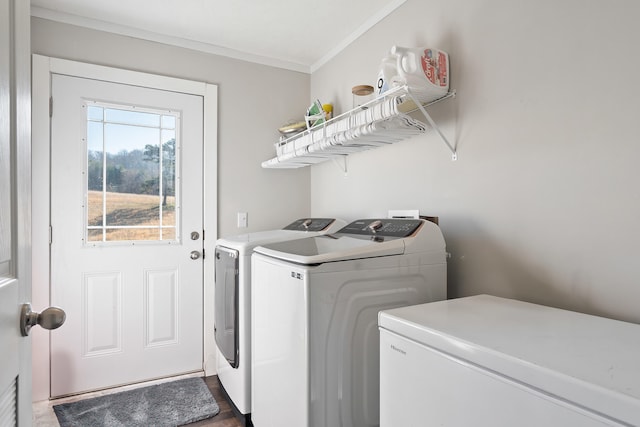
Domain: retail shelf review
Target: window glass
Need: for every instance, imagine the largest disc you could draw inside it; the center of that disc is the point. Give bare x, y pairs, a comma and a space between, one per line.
95, 113
131, 117
131, 174
168, 122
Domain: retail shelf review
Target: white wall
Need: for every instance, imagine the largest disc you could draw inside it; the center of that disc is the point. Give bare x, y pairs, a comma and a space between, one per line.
253, 101
543, 204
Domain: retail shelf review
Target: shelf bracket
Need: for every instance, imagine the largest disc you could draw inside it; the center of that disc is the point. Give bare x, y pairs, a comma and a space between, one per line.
343, 166
454, 154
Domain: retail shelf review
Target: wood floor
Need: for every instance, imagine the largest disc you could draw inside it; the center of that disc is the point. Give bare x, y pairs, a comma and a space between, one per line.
225, 417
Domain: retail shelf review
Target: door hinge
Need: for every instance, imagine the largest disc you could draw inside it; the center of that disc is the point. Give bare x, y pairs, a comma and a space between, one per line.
51, 106
203, 253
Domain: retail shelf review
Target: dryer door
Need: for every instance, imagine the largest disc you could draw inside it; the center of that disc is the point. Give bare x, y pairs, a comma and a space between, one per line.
226, 304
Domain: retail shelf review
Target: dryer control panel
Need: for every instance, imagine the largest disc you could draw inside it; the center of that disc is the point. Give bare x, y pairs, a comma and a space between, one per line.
310, 224
383, 227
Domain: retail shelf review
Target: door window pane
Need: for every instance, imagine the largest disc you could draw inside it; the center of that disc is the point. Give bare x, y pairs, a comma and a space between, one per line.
131, 174
95, 112
115, 115
168, 122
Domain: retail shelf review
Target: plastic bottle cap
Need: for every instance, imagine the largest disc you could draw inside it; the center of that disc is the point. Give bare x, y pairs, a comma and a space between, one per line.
362, 90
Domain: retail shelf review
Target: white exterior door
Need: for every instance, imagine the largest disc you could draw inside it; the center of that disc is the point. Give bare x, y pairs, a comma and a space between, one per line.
126, 233
15, 174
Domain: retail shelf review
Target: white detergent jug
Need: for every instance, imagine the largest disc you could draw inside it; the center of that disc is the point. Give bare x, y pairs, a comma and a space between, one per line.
424, 71
387, 72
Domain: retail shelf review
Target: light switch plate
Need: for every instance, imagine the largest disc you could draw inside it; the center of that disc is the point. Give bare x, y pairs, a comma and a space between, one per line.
242, 220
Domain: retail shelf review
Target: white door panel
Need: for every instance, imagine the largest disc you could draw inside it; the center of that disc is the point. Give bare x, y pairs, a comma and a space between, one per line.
133, 301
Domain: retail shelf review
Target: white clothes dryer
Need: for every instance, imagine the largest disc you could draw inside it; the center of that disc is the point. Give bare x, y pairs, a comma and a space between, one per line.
232, 323
315, 302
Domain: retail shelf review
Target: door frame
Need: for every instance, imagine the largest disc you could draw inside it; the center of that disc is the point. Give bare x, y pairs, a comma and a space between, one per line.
42, 69
19, 68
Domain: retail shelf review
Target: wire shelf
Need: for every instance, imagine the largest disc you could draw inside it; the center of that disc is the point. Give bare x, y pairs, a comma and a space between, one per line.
382, 121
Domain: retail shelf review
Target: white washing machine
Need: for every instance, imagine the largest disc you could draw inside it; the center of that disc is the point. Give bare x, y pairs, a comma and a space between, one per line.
315, 303
494, 362
232, 322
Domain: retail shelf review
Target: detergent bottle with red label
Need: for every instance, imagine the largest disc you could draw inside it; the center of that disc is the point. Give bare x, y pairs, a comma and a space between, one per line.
424, 71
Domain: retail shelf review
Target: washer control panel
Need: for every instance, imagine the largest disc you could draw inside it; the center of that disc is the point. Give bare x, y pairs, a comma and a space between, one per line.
383, 227
310, 224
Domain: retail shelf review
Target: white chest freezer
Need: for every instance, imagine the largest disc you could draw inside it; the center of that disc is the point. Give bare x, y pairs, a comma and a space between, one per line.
487, 361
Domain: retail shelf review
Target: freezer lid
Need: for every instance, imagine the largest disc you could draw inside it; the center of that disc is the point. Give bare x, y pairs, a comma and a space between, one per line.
589, 360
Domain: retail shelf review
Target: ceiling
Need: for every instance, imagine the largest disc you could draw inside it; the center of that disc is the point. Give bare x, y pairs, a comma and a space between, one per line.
300, 35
